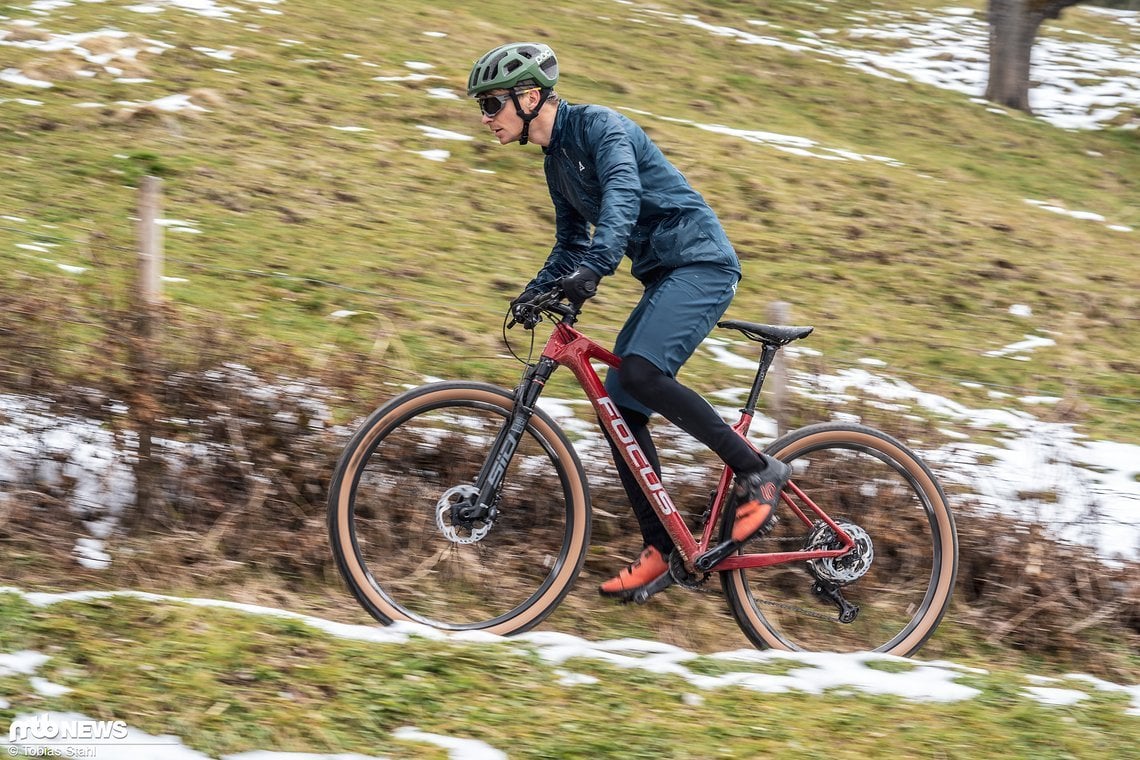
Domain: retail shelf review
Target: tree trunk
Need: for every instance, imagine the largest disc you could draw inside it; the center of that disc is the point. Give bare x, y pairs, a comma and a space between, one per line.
1013, 28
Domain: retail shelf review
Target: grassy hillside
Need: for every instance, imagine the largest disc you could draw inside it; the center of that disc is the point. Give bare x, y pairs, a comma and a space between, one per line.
915, 261
225, 681
301, 190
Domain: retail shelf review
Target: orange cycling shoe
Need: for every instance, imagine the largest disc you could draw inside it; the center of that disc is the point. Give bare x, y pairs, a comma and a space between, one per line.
643, 578
757, 495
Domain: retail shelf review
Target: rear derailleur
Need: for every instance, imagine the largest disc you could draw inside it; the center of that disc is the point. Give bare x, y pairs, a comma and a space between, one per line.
833, 574
829, 592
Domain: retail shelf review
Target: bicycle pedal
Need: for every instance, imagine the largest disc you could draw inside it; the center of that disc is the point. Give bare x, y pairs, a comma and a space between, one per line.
641, 596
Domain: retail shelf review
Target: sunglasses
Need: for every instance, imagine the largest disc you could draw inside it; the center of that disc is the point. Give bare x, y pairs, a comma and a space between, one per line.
490, 105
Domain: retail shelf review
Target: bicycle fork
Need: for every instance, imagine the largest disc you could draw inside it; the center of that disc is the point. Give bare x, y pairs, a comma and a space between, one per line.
490, 479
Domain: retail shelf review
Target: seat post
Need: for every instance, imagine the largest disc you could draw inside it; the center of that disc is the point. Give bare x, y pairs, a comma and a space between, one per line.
767, 355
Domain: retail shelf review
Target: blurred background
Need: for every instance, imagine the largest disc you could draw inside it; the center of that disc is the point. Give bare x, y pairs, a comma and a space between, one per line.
326, 223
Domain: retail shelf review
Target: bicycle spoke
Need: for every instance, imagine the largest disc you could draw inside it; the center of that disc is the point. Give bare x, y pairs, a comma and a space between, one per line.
900, 581
414, 558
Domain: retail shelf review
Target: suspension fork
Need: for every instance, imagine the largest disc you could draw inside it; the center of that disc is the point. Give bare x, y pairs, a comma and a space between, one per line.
490, 478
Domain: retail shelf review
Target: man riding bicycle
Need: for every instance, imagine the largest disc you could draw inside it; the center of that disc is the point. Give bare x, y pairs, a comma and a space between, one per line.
604, 172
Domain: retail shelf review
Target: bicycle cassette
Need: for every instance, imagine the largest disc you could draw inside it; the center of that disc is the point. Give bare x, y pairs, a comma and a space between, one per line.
844, 569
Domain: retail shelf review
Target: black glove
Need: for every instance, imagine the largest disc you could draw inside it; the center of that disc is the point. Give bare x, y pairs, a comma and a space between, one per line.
580, 284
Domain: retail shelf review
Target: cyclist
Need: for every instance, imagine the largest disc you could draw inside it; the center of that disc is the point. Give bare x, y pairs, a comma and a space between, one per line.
604, 172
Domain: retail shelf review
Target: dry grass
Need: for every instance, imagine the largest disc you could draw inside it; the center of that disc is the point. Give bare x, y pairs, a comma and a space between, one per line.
243, 516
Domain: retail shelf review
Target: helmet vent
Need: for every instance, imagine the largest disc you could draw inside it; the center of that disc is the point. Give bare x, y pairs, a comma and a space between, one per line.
491, 70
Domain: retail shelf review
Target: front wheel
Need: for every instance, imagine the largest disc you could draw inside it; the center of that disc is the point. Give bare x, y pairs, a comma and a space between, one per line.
392, 528
901, 574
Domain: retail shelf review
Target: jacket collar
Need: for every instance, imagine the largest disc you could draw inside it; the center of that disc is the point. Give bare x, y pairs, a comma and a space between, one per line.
559, 124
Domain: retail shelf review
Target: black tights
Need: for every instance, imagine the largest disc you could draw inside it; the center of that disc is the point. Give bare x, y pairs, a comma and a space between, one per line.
686, 409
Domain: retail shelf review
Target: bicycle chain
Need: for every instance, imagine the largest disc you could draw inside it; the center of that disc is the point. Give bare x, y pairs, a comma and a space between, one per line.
801, 610
785, 605
700, 588
698, 585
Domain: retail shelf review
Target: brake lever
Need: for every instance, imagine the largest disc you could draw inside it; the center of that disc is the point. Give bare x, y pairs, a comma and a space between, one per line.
535, 307
528, 323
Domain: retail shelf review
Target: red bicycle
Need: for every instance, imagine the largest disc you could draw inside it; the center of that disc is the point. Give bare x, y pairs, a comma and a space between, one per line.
464, 506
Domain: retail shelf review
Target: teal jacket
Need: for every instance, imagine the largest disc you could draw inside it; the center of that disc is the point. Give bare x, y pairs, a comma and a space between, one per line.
604, 171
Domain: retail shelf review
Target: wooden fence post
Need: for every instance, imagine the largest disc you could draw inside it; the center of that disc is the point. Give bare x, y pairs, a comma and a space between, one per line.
778, 374
150, 243
146, 302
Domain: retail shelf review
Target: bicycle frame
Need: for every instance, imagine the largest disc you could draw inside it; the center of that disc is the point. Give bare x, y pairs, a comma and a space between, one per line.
570, 348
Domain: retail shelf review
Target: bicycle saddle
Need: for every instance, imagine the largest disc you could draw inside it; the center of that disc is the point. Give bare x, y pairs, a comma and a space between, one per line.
777, 335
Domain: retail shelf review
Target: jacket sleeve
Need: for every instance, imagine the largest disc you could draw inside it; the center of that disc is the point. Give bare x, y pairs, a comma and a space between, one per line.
616, 164
572, 239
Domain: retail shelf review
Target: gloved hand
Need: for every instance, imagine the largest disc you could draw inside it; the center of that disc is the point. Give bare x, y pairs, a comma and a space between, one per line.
580, 284
519, 309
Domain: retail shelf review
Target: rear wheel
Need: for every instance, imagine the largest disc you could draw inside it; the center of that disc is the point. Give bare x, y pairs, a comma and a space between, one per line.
392, 530
901, 574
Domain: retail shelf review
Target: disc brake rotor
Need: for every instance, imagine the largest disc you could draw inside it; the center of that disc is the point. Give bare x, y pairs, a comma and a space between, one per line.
459, 534
845, 569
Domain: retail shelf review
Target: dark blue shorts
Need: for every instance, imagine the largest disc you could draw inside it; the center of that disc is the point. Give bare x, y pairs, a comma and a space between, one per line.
674, 315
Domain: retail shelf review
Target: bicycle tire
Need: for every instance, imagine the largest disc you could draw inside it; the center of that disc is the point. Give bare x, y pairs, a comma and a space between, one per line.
396, 558
859, 475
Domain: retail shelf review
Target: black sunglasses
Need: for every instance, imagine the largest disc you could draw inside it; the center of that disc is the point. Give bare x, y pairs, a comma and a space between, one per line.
490, 105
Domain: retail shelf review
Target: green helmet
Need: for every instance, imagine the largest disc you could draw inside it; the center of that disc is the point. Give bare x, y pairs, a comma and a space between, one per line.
510, 65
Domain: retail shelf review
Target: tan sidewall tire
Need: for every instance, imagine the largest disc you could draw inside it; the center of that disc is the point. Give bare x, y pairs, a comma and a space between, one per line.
736, 585
381, 424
